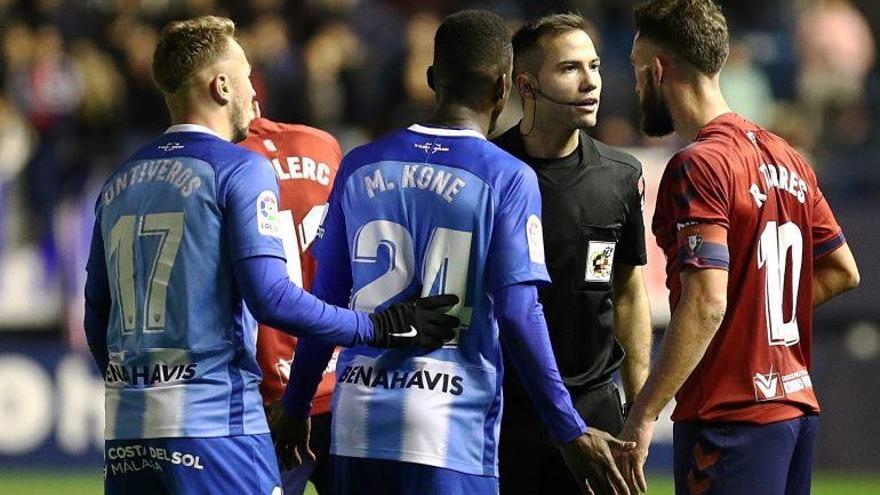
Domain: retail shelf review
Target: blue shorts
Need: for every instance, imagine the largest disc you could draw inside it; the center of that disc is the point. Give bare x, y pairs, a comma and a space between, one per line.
356, 476
236, 465
737, 458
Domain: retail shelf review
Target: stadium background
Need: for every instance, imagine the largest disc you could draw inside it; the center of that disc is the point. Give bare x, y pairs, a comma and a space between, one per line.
76, 98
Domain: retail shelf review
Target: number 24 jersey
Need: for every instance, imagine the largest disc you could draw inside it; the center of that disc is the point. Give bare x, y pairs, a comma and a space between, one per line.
424, 211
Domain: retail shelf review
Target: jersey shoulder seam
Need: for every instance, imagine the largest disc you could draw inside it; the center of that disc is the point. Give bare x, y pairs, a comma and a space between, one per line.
615, 155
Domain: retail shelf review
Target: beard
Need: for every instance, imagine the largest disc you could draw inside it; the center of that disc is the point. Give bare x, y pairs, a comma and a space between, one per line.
656, 118
238, 123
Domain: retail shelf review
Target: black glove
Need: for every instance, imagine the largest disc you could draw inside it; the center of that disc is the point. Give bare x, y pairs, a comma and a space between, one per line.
420, 322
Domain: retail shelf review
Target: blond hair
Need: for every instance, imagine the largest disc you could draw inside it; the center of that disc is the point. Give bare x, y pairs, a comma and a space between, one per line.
186, 47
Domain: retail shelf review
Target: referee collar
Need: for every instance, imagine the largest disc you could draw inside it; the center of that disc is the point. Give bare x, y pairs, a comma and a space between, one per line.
589, 152
191, 128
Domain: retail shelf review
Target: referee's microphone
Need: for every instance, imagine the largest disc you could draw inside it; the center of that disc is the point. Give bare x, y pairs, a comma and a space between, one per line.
537, 91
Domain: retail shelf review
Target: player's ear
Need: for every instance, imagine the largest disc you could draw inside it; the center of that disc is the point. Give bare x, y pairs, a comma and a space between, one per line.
524, 86
658, 67
502, 88
430, 75
221, 89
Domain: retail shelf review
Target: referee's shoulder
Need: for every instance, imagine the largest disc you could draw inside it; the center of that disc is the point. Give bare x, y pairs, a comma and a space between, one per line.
615, 155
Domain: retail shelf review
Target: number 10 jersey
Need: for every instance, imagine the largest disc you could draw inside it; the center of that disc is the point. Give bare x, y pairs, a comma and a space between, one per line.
741, 199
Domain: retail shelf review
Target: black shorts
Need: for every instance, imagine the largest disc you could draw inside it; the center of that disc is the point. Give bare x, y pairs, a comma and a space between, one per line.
530, 462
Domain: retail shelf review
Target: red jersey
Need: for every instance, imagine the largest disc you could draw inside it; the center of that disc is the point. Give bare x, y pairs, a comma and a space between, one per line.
741, 199
305, 161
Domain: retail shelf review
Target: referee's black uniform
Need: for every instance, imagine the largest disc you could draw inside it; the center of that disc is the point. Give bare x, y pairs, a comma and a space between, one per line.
592, 216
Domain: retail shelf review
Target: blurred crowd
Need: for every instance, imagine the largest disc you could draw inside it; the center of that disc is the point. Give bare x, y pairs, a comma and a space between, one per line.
76, 97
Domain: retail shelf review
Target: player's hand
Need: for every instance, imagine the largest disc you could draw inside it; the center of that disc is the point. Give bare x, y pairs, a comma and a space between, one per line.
591, 457
290, 435
632, 462
421, 322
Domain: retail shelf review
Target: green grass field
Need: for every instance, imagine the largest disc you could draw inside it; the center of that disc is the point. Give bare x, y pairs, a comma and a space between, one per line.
78, 483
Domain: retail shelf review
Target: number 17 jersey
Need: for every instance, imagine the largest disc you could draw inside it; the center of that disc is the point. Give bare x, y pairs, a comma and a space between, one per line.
741, 199
170, 223
427, 210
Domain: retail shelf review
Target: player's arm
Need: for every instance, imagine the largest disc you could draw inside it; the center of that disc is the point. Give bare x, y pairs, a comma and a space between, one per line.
700, 202
693, 325
834, 274
332, 283
291, 430
249, 203
525, 340
632, 326
98, 301
834, 268
632, 313
276, 301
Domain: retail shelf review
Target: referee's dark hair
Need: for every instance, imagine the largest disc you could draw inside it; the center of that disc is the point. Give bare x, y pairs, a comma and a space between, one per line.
694, 30
527, 37
472, 51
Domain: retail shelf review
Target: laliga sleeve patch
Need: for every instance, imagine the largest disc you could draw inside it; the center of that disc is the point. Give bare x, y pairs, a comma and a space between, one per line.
600, 260
535, 237
267, 214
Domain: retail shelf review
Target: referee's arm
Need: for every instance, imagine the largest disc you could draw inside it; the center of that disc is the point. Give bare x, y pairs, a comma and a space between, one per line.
632, 326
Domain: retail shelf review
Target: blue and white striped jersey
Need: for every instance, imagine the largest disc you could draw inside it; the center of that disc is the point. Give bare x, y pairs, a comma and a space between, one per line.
169, 225
424, 211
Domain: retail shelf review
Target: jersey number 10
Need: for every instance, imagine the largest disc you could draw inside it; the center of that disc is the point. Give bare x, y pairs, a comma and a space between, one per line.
773, 250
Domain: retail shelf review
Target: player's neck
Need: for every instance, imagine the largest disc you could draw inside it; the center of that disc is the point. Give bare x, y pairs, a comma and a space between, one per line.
545, 140
449, 114
697, 105
216, 121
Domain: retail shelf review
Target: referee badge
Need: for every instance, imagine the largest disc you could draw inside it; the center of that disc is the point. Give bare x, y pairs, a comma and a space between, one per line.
600, 260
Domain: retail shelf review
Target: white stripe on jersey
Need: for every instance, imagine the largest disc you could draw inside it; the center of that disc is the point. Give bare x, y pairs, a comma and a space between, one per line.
111, 409
163, 411
350, 418
426, 417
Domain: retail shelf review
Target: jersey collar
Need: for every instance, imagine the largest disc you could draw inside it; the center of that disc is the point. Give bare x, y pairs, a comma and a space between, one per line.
445, 131
191, 128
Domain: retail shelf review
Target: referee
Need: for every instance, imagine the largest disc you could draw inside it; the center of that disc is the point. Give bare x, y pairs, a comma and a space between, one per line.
594, 237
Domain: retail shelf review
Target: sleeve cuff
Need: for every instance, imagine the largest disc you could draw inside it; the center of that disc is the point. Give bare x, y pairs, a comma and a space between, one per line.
570, 434
706, 255
828, 246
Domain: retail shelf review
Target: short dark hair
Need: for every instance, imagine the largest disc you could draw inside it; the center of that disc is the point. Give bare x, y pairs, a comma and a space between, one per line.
185, 47
527, 37
471, 49
694, 30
